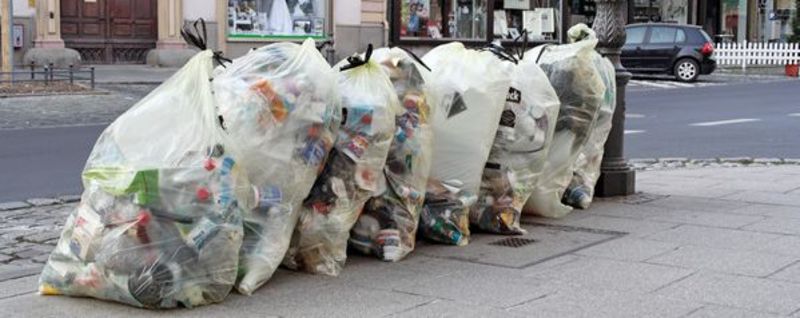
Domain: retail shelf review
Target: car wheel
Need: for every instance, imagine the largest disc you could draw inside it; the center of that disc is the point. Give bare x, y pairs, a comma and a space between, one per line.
687, 70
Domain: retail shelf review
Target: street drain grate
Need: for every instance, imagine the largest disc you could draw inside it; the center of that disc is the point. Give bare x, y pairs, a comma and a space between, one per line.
514, 242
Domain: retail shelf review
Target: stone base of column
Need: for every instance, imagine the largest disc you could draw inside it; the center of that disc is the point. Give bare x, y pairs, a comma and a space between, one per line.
616, 183
174, 57
60, 57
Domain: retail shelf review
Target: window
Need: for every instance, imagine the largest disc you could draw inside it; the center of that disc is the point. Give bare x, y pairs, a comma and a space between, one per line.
539, 18
662, 35
680, 36
277, 18
456, 19
635, 35
474, 22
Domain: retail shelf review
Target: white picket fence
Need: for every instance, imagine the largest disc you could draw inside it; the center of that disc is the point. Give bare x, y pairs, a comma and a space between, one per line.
746, 53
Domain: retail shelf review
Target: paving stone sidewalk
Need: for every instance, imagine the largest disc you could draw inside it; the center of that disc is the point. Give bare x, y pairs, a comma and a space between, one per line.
706, 242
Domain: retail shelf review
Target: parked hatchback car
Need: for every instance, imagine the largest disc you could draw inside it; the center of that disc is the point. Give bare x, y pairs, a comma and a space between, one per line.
685, 51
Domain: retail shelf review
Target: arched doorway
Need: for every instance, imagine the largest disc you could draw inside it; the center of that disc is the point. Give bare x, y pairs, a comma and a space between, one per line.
110, 31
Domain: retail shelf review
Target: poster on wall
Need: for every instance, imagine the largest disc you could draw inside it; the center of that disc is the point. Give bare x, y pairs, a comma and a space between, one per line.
276, 18
414, 16
17, 36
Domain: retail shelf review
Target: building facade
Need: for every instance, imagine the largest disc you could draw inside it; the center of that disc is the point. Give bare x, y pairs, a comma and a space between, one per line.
139, 31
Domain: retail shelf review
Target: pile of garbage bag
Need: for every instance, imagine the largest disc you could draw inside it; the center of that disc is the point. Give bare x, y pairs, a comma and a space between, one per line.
220, 176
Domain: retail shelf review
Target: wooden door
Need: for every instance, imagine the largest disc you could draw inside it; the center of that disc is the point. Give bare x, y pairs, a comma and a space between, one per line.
110, 31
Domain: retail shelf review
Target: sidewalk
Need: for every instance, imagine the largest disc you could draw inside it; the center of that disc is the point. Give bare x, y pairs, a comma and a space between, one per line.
708, 242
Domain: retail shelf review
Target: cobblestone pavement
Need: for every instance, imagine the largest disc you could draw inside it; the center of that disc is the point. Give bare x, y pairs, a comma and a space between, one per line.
70, 110
28, 235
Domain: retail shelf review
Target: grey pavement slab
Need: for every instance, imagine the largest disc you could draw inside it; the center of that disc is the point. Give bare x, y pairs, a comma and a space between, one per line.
749, 293
499, 289
584, 302
785, 245
790, 273
766, 198
449, 308
711, 311
776, 225
546, 242
690, 203
631, 226
715, 237
771, 210
725, 260
716, 219
599, 273
629, 249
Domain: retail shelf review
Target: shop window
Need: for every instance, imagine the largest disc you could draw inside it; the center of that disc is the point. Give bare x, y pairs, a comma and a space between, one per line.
277, 18
635, 35
661, 35
475, 21
538, 17
437, 19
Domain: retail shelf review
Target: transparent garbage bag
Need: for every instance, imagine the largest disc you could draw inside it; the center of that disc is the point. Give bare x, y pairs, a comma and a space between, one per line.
159, 222
280, 105
587, 167
468, 88
388, 223
581, 91
353, 171
519, 151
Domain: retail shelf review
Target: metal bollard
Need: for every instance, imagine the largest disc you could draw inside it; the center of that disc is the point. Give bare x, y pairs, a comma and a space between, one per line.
71, 80
92, 78
33, 69
51, 72
617, 177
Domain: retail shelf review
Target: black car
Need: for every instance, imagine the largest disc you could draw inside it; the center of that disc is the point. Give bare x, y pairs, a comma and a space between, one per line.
685, 51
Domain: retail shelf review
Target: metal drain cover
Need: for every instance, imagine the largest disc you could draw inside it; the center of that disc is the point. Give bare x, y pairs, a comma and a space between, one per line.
513, 242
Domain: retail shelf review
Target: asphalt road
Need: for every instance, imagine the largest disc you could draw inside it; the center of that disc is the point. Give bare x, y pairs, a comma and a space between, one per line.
741, 119
44, 162
664, 120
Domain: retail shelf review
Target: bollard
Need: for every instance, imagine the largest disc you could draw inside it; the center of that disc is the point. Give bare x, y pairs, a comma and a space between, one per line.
51, 72
616, 177
92, 79
71, 80
33, 69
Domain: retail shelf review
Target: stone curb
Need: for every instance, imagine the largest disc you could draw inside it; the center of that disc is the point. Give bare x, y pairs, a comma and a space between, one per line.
641, 164
37, 202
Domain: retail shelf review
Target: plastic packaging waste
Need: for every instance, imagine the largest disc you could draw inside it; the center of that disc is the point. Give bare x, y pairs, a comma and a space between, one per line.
353, 172
445, 214
159, 222
280, 106
520, 148
581, 91
469, 89
587, 167
387, 226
